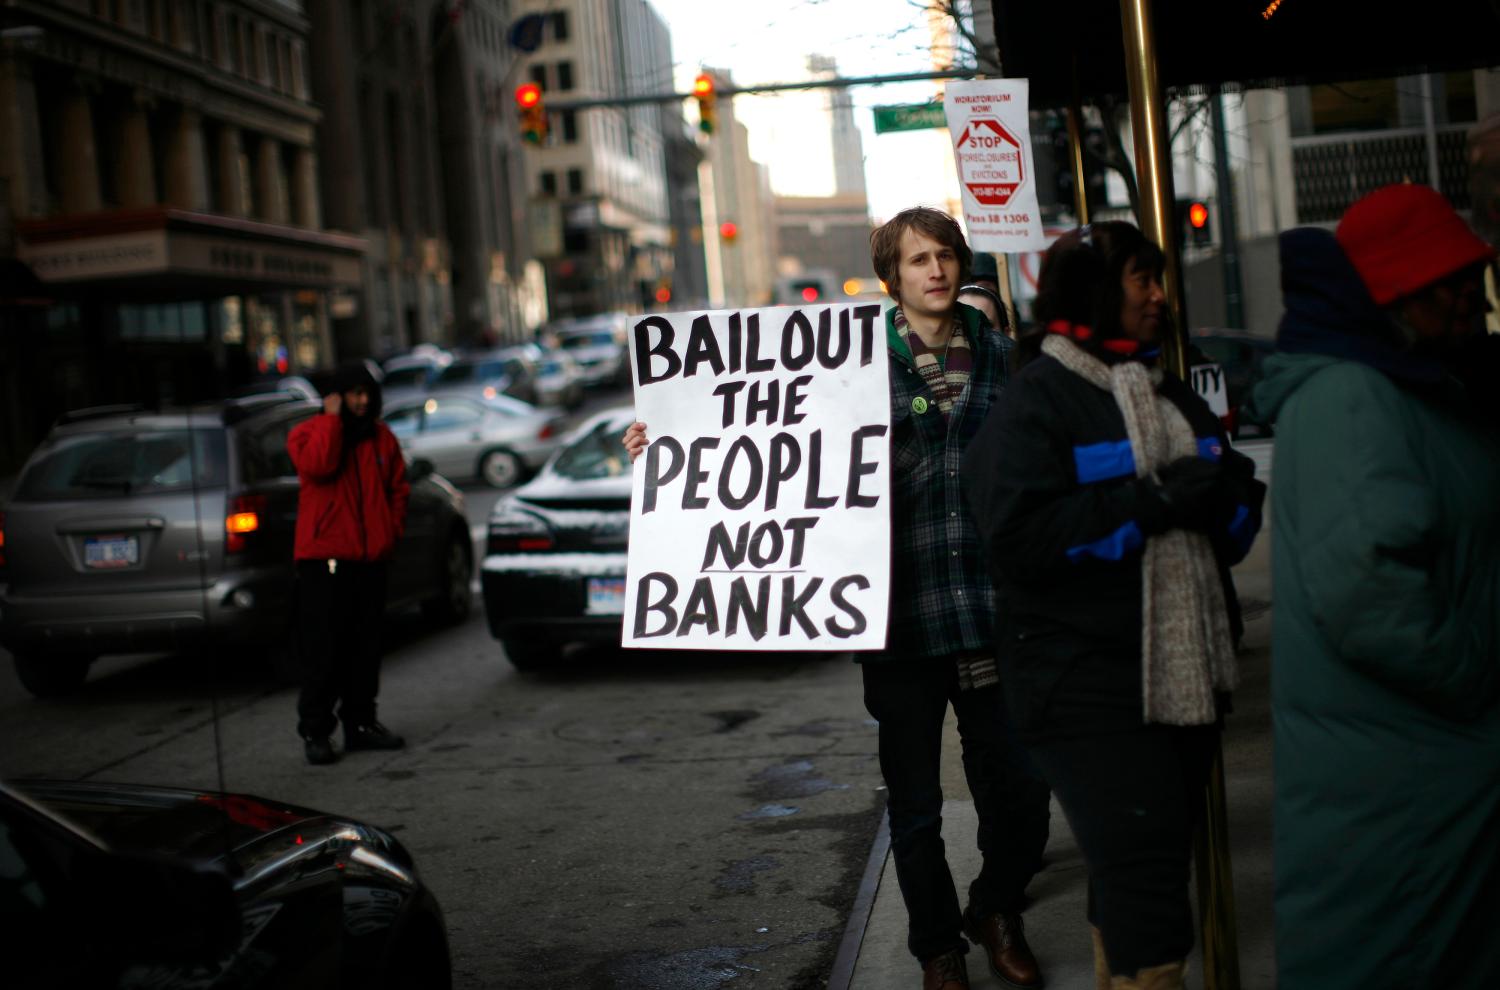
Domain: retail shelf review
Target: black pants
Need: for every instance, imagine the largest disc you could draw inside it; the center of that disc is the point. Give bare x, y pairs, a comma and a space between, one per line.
339, 616
910, 698
1133, 799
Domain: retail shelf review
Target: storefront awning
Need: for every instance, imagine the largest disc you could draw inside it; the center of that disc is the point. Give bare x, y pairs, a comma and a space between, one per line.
163, 252
1264, 42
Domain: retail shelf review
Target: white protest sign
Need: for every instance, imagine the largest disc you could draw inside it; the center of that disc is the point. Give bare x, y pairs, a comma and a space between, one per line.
992, 147
760, 511
1208, 382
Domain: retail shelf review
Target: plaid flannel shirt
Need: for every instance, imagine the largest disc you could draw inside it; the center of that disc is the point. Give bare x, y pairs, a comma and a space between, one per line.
942, 601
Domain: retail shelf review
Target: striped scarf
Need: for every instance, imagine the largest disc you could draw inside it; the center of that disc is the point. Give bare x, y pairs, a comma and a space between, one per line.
946, 379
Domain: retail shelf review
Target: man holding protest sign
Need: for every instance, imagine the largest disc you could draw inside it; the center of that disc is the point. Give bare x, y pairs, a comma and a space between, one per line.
946, 365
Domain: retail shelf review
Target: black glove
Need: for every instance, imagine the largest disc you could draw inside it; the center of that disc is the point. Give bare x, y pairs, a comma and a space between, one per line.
1199, 494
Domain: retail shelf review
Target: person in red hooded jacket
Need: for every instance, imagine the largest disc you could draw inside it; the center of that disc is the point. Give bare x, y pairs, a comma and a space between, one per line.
351, 509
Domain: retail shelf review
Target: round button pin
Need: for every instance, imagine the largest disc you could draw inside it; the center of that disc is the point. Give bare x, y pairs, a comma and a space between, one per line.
919, 405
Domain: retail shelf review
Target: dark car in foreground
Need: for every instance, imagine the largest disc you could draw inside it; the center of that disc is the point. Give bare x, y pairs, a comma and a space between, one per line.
108, 885
554, 565
132, 530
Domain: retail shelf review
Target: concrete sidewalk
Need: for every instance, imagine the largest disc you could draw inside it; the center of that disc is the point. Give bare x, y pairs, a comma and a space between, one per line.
873, 955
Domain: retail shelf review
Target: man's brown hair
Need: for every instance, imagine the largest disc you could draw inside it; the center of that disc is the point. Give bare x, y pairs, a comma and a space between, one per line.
885, 244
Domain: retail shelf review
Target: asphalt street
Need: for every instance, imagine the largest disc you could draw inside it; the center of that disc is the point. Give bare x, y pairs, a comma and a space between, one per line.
632, 820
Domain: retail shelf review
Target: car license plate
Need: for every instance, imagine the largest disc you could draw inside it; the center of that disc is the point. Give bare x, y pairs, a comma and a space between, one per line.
111, 551
606, 596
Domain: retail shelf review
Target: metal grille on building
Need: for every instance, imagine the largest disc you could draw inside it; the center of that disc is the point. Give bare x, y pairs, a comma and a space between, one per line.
1332, 171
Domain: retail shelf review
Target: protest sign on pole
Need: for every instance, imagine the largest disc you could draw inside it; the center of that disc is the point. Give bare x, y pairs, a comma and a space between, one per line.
988, 121
760, 510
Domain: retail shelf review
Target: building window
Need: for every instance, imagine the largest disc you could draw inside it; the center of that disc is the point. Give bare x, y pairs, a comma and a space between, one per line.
569, 126
272, 61
231, 37
539, 75
575, 182
549, 183
564, 76
560, 25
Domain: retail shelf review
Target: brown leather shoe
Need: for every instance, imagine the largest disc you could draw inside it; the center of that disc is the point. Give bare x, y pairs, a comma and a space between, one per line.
945, 972
1003, 938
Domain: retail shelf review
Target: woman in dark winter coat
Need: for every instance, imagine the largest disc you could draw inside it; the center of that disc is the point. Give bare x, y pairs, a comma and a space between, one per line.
1385, 687
1112, 506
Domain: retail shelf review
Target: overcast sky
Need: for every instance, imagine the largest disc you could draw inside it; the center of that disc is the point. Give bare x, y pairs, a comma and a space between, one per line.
769, 41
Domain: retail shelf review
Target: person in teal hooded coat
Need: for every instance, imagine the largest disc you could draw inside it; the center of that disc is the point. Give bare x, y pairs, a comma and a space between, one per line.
1385, 504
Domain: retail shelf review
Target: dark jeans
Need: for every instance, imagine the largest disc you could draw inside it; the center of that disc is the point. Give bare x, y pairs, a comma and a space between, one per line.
339, 616
1133, 799
910, 698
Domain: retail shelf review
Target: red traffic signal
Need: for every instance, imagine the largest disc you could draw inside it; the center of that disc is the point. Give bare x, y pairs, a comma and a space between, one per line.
1198, 216
809, 293
703, 92
728, 231
532, 114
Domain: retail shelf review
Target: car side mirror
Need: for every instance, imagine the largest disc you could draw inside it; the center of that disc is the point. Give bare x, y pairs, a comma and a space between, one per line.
421, 468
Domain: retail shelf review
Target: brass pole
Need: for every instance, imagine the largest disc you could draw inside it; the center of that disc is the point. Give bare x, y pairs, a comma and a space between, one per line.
1221, 963
1075, 146
1153, 164
1216, 916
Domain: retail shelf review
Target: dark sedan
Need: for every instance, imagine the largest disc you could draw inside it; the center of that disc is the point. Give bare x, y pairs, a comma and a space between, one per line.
554, 566
121, 886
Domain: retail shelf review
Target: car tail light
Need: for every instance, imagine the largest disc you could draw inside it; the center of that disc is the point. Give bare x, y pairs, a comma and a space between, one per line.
243, 518
519, 544
513, 531
546, 433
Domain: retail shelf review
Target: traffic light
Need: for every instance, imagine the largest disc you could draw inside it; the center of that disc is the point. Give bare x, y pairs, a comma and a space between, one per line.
809, 290
728, 231
1198, 232
532, 114
703, 91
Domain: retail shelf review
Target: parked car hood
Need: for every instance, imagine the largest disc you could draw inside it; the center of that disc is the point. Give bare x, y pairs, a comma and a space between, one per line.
548, 487
203, 826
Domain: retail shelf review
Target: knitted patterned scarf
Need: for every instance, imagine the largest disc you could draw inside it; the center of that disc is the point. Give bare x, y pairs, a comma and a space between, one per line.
945, 379
1186, 650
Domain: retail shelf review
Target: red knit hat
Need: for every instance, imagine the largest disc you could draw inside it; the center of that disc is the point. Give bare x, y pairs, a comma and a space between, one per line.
1405, 237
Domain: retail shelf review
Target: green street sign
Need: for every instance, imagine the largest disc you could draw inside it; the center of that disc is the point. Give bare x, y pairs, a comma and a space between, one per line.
909, 117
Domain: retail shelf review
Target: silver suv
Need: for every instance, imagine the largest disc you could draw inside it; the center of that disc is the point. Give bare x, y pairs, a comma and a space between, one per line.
133, 531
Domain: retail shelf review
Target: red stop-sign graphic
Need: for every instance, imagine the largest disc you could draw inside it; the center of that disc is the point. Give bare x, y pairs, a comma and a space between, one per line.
990, 163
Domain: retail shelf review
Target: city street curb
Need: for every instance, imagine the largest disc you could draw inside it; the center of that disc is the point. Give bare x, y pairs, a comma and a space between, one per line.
859, 914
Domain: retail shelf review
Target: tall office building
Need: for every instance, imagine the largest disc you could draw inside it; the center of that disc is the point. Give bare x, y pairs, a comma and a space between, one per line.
848, 146
421, 158
601, 216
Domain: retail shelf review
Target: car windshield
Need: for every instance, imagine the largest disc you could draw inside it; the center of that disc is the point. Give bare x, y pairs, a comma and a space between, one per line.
470, 371
113, 463
599, 453
509, 406
402, 377
574, 341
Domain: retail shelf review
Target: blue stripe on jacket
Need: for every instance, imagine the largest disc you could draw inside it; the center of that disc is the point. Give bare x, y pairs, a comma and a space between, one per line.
1116, 546
1113, 459
1242, 530
1102, 461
